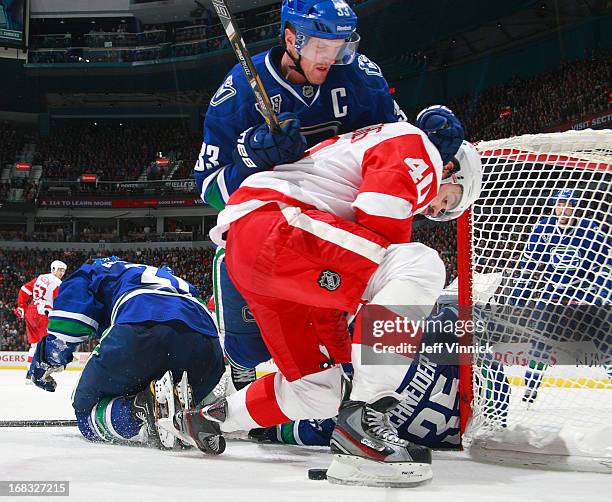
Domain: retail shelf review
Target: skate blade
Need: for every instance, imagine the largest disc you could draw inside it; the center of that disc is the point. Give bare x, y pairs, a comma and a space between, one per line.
359, 471
164, 394
167, 425
185, 395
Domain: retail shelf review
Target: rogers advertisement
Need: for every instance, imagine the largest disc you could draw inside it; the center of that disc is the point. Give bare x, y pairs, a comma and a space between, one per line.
19, 360
117, 203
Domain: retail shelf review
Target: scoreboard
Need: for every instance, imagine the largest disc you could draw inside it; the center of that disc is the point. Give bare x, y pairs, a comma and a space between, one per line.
13, 22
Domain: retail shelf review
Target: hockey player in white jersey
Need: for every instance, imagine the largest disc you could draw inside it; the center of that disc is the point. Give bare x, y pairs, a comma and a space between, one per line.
308, 242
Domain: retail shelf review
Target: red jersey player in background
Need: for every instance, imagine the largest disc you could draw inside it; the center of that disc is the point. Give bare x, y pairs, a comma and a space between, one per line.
35, 301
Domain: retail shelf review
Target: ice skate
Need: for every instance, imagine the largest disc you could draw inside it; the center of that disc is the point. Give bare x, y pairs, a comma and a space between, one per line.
367, 450
146, 408
200, 427
172, 398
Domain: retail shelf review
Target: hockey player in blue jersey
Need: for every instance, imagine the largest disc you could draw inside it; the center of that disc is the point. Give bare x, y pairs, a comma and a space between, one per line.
566, 262
149, 322
573, 254
320, 86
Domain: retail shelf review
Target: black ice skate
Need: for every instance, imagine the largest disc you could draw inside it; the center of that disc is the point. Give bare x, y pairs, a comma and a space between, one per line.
367, 450
146, 409
201, 426
158, 402
530, 395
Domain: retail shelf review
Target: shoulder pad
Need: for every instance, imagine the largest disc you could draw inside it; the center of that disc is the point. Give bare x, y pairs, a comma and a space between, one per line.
365, 65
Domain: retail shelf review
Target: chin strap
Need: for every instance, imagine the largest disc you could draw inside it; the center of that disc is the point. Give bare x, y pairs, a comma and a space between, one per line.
296, 64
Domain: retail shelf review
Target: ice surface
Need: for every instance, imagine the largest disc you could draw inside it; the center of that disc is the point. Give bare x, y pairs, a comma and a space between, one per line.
246, 472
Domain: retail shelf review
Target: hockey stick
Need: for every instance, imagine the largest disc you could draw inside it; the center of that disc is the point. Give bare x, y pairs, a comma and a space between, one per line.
235, 38
38, 423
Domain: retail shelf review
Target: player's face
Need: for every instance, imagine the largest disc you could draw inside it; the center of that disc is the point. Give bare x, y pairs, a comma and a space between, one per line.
316, 57
448, 198
59, 273
564, 212
316, 73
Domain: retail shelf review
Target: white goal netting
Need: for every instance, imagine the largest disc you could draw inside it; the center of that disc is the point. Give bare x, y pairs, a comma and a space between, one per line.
541, 250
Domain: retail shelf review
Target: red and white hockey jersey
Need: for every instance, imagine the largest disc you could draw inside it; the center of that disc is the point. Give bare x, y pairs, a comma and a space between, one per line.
41, 291
379, 176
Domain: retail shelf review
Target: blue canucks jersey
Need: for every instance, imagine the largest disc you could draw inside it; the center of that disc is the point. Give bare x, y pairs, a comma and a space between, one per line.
111, 292
353, 96
574, 261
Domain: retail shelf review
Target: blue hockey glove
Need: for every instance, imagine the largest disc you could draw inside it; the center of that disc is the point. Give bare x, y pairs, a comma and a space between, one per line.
42, 370
443, 129
258, 149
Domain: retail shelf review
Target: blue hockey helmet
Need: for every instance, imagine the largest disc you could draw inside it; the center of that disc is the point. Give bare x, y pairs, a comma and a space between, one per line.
100, 262
331, 20
566, 195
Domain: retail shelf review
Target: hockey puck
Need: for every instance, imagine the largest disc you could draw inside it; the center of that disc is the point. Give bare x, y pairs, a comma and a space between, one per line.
317, 474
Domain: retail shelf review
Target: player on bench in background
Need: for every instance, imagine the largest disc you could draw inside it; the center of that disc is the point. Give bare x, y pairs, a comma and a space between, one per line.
149, 322
35, 301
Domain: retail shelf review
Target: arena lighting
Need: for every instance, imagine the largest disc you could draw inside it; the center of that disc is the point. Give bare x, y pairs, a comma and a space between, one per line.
163, 161
22, 166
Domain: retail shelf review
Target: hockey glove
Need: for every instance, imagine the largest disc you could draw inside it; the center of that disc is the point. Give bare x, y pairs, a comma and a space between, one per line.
258, 149
42, 370
19, 312
443, 129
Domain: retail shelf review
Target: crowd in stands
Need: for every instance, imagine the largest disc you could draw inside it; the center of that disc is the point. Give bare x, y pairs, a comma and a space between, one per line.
17, 267
25, 189
109, 234
532, 105
442, 238
13, 137
113, 152
537, 103
5, 188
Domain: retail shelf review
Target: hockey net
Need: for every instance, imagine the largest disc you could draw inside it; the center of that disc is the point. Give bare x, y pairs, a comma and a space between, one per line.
540, 400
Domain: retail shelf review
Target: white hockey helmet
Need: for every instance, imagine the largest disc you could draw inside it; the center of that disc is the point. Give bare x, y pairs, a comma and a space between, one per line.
468, 174
56, 265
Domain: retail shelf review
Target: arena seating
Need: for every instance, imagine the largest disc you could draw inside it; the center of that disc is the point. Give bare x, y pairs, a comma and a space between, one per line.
114, 152
156, 41
535, 104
